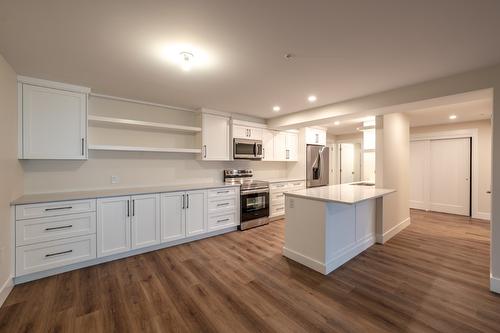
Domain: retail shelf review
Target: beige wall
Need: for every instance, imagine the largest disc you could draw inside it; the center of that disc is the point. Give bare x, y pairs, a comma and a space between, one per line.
393, 158
484, 155
11, 176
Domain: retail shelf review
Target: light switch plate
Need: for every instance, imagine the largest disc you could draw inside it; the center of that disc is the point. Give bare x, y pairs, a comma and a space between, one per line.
115, 179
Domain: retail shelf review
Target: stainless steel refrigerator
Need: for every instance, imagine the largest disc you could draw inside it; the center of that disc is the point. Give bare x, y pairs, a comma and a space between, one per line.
317, 164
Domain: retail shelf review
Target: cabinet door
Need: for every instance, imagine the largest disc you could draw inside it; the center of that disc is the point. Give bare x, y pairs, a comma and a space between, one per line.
172, 216
196, 212
113, 225
240, 132
268, 145
215, 137
255, 133
54, 123
292, 146
145, 220
280, 146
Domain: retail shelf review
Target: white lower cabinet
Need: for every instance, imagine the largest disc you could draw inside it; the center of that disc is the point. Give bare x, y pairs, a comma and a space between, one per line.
196, 212
125, 223
277, 197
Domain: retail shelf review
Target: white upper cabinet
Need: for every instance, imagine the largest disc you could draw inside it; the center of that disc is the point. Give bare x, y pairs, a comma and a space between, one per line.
53, 120
280, 146
247, 132
268, 145
215, 138
292, 146
145, 220
315, 136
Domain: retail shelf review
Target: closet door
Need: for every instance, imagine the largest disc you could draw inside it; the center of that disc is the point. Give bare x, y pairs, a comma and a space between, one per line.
450, 176
419, 160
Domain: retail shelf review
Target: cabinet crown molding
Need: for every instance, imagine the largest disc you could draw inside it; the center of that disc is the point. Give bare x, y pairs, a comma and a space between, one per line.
52, 84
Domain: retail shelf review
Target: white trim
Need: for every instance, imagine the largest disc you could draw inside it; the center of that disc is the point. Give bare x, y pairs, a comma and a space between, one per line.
6, 289
350, 252
314, 264
381, 239
136, 101
67, 268
122, 122
495, 284
456, 134
248, 123
483, 216
52, 84
145, 149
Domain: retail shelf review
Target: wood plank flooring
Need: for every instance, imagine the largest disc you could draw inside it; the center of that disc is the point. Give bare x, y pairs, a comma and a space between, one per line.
433, 276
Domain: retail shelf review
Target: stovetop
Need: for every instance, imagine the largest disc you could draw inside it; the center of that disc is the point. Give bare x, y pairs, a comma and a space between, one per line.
244, 178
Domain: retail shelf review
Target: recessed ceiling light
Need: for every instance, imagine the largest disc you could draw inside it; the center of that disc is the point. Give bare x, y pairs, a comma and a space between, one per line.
336, 123
276, 108
452, 117
312, 98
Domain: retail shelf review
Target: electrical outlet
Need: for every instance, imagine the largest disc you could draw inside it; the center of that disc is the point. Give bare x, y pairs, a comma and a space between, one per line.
115, 179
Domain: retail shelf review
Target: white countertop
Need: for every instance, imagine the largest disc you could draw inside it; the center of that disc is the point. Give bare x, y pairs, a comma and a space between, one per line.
112, 192
345, 193
282, 180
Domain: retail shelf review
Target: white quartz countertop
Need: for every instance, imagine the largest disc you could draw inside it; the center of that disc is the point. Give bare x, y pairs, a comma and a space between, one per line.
112, 192
282, 180
345, 193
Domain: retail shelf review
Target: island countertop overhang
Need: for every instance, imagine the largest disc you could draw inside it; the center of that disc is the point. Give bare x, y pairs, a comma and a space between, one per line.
344, 193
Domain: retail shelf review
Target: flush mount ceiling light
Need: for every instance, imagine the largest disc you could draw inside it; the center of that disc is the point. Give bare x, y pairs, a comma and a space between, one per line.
276, 108
453, 117
312, 98
337, 123
187, 61
186, 56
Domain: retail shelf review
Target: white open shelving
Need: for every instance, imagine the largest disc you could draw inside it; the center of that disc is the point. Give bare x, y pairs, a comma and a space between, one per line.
121, 122
145, 149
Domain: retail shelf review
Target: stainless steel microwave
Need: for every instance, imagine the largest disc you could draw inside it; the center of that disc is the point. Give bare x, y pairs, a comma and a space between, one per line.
247, 149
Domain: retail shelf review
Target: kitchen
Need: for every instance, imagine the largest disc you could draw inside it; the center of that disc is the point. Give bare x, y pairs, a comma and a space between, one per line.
174, 186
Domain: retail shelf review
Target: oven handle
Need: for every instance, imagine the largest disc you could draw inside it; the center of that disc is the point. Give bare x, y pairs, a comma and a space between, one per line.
265, 190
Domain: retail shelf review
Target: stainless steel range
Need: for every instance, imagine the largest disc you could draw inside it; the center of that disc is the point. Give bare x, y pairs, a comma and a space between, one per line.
254, 197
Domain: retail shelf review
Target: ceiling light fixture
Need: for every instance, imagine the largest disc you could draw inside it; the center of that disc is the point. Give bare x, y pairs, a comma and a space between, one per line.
312, 98
185, 56
453, 117
186, 61
337, 123
276, 108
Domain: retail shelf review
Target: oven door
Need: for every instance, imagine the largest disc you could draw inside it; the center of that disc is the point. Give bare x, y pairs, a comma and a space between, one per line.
254, 204
247, 149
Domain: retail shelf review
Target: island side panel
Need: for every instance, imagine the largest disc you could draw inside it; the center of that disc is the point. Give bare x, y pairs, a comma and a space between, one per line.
305, 232
350, 230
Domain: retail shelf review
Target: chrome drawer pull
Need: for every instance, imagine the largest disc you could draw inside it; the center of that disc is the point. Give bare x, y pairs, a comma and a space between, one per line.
223, 204
221, 192
223, 220
61, 227
58, 208
280, 208
57, 253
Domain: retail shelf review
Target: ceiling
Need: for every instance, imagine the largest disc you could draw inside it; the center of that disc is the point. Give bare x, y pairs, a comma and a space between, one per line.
342, 49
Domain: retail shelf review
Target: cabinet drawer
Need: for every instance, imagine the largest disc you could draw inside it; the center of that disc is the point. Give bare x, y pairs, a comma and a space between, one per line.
278, 202
278, 186
54, 209
221, 192
52, 228
215, 206
48, 255
277, 210
221, 221
277, 196
297, 185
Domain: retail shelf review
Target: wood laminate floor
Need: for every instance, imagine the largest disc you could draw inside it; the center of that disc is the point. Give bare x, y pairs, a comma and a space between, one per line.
433, 276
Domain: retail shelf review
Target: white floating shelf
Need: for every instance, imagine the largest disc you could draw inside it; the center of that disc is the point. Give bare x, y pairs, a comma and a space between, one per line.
145, 149
120, 122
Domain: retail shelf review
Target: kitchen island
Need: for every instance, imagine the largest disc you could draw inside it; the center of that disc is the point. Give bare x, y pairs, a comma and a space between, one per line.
329, 225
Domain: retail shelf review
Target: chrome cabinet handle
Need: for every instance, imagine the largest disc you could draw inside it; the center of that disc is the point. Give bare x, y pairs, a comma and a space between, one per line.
57, 253
83, 146
488, 192
61, 227
221, 192
133, 207
223, 204
187, 201
204, 151
223, 220
183, 201
58, 208
128, 208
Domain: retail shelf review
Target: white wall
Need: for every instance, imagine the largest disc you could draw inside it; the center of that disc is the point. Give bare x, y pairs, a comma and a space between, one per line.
393, 158
11, 176
484, 155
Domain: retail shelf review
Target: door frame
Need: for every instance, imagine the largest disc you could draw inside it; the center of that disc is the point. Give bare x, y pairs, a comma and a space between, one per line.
460, 134
336, 145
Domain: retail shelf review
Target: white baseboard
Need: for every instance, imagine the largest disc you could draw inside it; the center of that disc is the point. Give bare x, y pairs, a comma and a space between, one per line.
495, 284
340, 258
482, 216
5, 289
393, 231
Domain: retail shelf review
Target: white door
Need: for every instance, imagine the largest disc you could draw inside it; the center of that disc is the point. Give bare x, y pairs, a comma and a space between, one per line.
267, 145
280, 146
172, 216
196, 212
113, 225
450, 176
54, 123
215, 137
346, 163
145, 220
292, 146
418, 174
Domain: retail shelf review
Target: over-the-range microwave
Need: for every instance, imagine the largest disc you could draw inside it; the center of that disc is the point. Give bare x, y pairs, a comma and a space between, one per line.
247, 149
